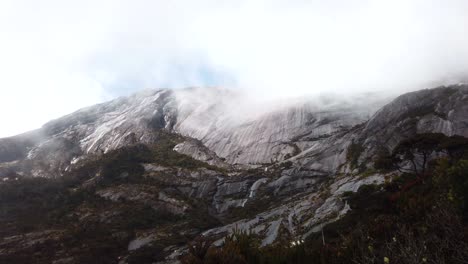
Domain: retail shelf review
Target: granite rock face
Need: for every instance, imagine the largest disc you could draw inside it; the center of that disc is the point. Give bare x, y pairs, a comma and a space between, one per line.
243, 133
200, 152
439, 110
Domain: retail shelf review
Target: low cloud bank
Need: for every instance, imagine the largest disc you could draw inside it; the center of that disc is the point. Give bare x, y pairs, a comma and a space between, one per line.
59, 56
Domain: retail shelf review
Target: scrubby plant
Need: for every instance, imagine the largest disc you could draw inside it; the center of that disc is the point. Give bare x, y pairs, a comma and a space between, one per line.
353, 153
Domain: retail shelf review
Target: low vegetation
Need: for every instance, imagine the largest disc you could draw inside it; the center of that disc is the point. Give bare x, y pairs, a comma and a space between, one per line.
420, 217
86, 226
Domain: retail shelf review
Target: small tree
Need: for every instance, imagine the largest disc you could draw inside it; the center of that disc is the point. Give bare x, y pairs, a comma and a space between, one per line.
417, 150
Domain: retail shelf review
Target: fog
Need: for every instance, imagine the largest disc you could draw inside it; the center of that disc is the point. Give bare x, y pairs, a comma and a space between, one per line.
58, 56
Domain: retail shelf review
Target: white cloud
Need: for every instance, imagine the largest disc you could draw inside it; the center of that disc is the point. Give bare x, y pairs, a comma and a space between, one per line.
57, 55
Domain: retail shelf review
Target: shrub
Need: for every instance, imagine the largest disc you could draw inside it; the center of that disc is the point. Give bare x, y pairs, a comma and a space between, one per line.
353, 153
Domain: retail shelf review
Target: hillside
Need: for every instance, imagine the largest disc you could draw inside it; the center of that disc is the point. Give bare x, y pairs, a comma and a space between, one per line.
137, 179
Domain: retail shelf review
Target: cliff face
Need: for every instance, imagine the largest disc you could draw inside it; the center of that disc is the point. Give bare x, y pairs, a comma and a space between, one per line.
440, 110
216, 163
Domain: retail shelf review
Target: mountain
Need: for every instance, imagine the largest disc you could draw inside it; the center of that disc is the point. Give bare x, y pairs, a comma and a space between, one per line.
134, 179
236, 131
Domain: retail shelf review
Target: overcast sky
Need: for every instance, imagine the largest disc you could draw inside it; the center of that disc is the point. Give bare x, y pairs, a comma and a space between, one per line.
59, 55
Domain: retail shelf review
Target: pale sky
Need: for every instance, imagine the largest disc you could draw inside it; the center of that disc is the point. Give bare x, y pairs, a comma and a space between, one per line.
57, 56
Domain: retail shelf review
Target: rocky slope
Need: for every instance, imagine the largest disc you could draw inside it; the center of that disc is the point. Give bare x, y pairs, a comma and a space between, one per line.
211, 163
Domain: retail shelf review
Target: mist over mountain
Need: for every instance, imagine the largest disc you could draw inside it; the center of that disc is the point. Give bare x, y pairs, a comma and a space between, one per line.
68, 56
234, 132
